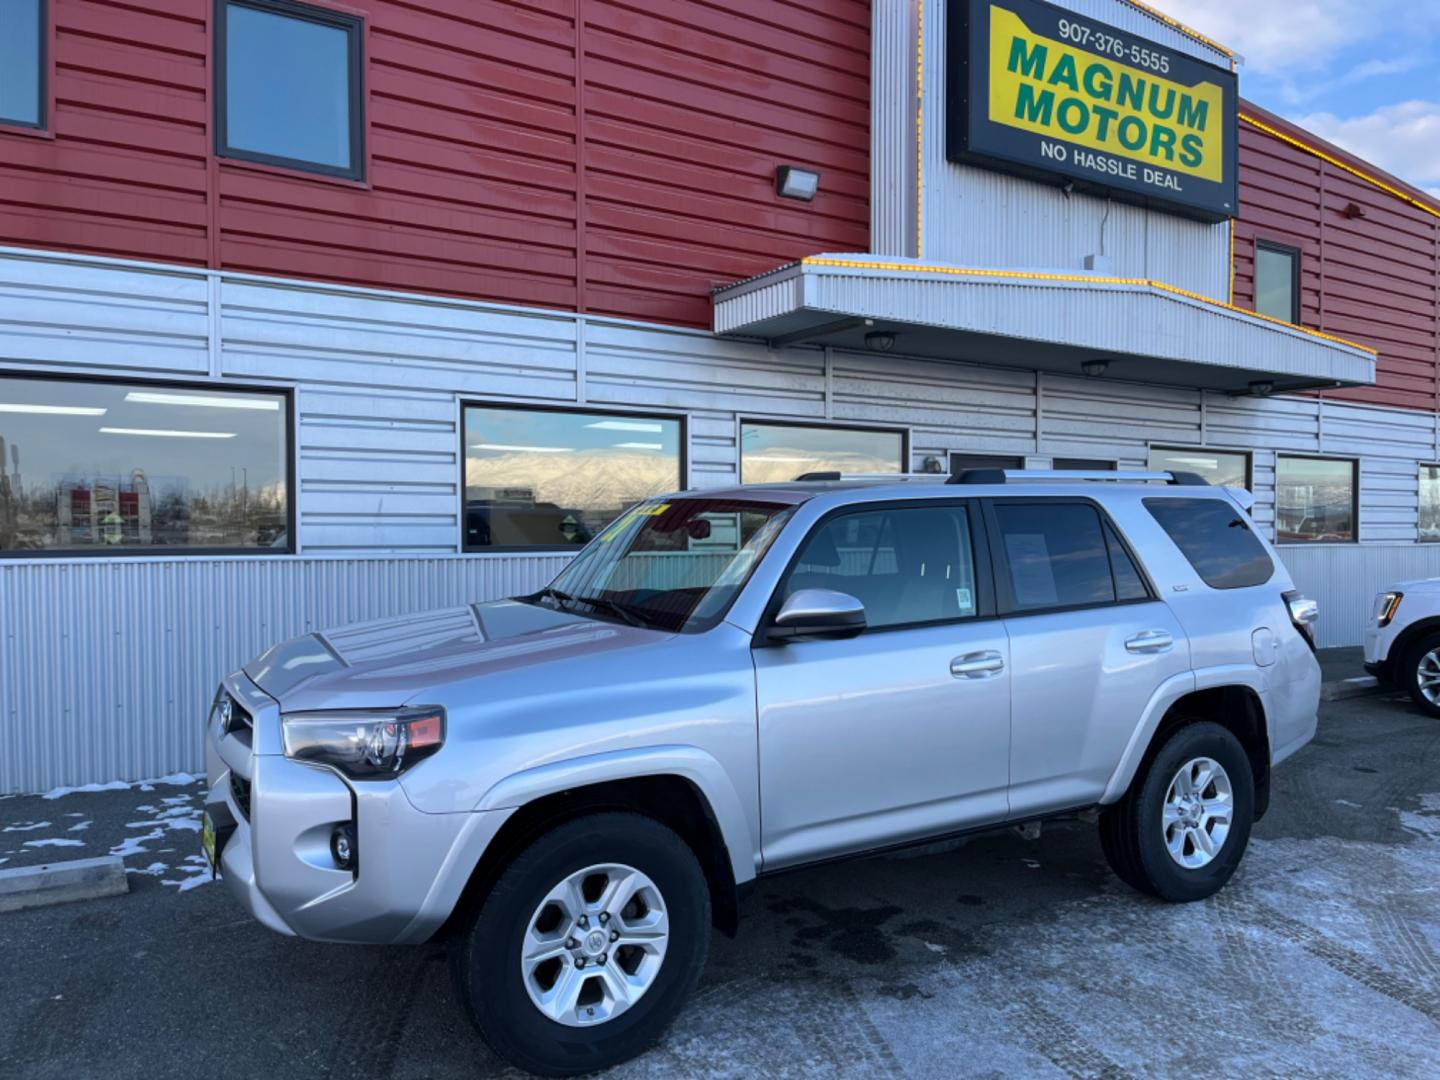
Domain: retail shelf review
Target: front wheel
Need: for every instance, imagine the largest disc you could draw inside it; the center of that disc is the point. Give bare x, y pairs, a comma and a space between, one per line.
588, 945
1183, 826
1421, 673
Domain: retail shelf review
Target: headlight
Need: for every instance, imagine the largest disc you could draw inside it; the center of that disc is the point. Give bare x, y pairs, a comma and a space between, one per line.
1386, 605
362, 744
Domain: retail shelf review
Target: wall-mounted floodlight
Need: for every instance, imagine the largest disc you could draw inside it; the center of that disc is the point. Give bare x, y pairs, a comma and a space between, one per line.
793, 182
1095, 368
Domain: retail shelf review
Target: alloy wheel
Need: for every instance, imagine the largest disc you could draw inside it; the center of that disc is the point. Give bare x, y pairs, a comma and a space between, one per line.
1199, 807
594, 945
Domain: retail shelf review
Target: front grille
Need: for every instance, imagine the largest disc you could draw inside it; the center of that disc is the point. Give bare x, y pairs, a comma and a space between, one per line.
240, 792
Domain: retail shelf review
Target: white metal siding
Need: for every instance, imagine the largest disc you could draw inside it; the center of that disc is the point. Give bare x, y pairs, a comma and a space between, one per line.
981, 218
106, 666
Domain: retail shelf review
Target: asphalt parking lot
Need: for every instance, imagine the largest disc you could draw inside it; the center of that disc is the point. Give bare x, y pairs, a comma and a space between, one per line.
1006, 957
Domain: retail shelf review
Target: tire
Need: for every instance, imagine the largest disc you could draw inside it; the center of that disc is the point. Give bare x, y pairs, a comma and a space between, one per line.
1137, 837
1409, 674
599, 851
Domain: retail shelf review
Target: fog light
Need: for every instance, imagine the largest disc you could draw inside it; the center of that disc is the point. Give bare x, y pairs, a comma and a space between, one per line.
343, 848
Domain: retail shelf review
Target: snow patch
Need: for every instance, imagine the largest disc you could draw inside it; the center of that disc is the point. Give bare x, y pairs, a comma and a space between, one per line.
179, 779
199, 870
26, 826
80, 826
135, 845
54, 842
155, 869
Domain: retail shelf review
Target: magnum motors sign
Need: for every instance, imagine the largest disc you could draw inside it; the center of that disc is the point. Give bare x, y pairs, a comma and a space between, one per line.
1035, 89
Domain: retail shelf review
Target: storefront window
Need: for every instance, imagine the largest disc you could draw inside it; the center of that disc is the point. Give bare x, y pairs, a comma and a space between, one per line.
1430, 502
1315, 499
1221, 468
130, 468
776, 453
538, 478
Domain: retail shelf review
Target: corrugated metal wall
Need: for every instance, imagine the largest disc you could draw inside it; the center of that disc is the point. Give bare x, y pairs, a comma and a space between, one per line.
106, 666
489, 174
1370, 262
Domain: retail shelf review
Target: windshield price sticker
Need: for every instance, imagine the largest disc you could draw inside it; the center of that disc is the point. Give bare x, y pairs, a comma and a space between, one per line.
1038, 90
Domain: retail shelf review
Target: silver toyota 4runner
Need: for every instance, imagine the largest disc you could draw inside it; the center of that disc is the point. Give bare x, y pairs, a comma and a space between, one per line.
572, 787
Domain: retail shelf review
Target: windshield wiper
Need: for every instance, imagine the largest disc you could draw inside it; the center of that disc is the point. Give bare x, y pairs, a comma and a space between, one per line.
564, 599
615, 608
560, 598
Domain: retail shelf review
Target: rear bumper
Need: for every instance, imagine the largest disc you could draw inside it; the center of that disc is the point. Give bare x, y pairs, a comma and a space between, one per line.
411, 866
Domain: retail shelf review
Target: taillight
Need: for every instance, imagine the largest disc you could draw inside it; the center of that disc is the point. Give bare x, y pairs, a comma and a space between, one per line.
1303, 613
1386, 605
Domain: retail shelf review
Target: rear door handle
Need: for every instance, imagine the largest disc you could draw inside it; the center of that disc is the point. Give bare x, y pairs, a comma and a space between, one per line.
977, 665
1150, 641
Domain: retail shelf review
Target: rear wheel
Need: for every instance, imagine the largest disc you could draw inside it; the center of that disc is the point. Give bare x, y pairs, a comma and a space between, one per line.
588, 945
1421, 673
1182, 828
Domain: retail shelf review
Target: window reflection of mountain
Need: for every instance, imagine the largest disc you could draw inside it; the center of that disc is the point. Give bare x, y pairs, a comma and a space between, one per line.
778, 465
520, 499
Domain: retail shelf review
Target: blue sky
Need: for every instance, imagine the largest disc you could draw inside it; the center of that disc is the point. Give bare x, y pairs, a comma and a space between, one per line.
1364, 74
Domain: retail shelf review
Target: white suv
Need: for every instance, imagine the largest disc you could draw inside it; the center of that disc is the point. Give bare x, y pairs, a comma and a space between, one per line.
1402, 642
574, 786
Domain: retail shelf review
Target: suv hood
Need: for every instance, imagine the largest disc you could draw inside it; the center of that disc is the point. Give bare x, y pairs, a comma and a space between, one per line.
391, 662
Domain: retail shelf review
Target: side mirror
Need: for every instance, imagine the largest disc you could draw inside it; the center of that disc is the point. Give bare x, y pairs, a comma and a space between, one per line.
818, 613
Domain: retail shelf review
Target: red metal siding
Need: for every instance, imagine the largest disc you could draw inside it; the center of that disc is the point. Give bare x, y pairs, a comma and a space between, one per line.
476, 182
1374, 279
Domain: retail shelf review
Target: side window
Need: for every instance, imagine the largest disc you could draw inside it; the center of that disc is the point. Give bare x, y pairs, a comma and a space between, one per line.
907, 565
1056, 555
1213, 535
1129, 585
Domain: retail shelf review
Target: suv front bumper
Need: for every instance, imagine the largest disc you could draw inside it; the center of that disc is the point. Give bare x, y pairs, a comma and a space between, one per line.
410, 866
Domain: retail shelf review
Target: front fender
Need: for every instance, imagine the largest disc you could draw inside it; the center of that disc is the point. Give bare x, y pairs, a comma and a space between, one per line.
738, 828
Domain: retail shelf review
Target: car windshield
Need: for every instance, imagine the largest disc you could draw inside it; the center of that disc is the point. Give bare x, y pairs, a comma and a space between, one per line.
672, 564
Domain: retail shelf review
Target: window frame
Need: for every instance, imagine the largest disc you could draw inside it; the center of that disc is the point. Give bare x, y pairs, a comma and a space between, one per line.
974, 455
45, 80
355, 27
820, 425
1354, 463
985, 596
286, 393
1420, 467
1295, 255
1170, 448
683, 473
1104, 464
1004, 592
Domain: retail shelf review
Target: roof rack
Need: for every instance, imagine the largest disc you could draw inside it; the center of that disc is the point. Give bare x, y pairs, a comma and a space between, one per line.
822, 477
1007, 476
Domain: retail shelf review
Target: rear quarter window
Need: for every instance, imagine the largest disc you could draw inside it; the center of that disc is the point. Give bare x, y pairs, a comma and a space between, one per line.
1217, 540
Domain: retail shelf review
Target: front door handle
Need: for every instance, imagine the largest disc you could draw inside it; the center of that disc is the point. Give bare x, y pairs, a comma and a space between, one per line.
977, 665
1150, 641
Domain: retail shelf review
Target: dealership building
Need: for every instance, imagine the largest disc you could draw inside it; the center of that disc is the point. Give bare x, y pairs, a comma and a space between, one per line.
320, 313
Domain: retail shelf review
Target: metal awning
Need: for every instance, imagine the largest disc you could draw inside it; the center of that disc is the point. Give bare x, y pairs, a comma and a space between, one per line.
1145, 331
